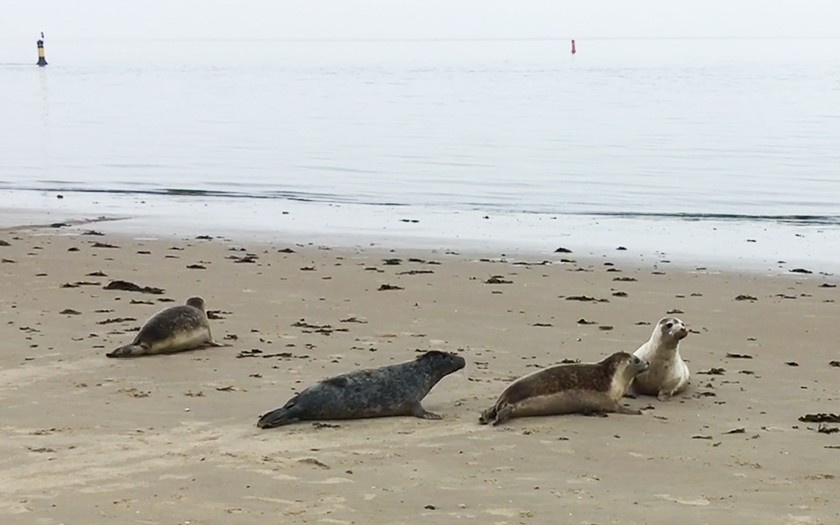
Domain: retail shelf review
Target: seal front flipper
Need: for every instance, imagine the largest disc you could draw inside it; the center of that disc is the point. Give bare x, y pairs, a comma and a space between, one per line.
290, 413
663, 396
418, 411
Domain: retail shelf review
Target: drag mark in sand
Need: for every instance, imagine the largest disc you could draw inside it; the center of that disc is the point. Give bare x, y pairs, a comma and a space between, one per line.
694, 502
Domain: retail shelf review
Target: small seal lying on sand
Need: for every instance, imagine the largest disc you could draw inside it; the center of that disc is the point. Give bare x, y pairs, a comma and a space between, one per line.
171, 330
566, 389
668, 373
394, 390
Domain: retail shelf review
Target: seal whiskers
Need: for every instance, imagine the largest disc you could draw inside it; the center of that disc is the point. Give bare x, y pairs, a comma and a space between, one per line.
394, 390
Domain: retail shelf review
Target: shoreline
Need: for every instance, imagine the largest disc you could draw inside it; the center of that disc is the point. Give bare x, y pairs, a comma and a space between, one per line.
761, 247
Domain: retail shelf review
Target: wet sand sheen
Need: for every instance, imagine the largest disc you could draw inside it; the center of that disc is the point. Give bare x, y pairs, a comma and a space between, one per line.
171, 439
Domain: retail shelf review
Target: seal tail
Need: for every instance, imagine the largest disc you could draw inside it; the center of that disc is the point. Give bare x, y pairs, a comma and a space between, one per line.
129, 350
280, 416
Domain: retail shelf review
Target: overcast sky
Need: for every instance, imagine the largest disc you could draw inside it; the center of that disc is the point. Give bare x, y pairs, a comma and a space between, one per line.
417, 18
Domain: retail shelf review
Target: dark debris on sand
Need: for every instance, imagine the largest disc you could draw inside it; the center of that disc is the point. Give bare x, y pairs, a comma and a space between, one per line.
713, 372
128, 286
116, 320
738, 356
820, 418
78, 284
586, 299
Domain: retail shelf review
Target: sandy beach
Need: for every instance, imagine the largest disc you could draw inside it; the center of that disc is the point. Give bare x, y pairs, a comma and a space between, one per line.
172, 439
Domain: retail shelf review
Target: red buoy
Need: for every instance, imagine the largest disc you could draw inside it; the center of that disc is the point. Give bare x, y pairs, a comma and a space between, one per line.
573, 47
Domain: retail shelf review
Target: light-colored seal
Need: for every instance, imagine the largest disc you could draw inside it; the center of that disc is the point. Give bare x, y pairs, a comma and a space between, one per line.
174, 329
567, 389
394, 390
668, 373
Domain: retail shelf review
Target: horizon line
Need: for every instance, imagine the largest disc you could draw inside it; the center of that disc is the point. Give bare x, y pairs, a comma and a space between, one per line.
429, 39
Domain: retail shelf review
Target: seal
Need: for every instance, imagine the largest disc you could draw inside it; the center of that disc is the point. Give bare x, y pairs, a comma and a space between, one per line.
583, 388
394, 390
668, 373
174, 329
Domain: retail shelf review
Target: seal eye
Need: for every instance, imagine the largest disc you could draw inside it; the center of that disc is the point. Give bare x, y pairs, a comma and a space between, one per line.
669, 324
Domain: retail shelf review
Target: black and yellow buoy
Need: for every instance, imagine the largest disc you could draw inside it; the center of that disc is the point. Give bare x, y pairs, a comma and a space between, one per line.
42, 60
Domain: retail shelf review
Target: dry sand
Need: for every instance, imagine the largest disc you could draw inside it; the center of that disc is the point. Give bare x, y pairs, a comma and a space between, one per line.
172, 439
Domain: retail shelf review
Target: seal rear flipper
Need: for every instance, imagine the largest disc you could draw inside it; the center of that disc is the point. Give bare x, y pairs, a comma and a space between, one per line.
276, 418
289, 413
129, 350
621, 409
503, 415
487, 416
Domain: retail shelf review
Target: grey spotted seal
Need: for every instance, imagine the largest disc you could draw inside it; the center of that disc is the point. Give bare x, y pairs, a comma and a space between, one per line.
567, 389
394, 390
668, 374
173, 329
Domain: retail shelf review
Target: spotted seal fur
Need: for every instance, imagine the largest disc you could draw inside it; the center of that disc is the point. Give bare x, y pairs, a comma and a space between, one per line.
394, 390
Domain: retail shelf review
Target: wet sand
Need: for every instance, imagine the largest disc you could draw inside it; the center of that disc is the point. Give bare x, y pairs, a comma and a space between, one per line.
172, 439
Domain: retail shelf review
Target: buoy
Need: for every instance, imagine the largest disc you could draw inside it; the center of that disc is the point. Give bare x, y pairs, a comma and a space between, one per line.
573, 47
42, 60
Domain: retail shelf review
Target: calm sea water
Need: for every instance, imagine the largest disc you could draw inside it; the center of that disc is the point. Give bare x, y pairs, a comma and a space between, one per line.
652, 140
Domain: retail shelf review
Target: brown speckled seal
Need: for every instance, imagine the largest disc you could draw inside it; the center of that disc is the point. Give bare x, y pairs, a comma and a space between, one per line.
567, 389
174, 329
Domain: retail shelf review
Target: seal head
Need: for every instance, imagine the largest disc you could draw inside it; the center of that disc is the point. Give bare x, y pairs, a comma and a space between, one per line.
394, 390
566, 389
